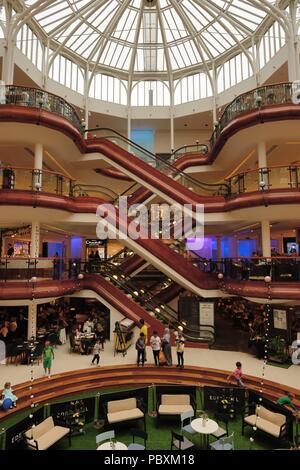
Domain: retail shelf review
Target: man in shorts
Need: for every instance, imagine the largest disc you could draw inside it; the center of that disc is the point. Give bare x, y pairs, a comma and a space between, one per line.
48, 355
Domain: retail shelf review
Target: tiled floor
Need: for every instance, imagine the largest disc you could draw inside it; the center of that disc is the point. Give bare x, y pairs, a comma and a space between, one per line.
225, 360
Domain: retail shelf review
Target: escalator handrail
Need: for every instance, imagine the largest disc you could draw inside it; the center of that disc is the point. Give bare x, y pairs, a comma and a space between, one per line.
95, 188
166, 308
157, 157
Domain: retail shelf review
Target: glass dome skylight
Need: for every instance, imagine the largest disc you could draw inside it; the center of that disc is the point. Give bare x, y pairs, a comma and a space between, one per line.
150, 36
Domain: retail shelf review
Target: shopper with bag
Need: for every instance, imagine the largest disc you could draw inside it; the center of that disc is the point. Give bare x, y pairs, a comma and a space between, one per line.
166, 346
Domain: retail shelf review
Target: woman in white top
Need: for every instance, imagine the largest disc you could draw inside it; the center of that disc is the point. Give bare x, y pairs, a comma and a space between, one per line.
155, 343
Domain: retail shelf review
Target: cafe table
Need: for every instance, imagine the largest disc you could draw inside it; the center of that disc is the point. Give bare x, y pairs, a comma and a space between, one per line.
204, 427
112, 446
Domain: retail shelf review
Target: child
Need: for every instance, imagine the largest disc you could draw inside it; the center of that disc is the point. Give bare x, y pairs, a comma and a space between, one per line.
140, 346
8, 394
180, 349
96, 352
237, 374
287, 400
48, 355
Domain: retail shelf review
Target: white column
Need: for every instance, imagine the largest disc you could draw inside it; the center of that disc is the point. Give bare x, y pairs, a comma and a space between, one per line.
262, 154
129, 126
262, 163
35, 240
266, 238
172, 135
32, 319
38, 166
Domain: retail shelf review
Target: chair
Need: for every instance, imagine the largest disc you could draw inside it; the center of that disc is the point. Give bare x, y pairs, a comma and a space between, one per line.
187, 415
142, 435
180, 442
225, 443
105, 436
221, 432
74, 346
35, 355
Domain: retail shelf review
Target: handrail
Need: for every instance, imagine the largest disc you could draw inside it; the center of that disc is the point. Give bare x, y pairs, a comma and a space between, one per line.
95, 188
162, 311
197, 148
173, 170
242, 104
38, 98
55, 173
268, 167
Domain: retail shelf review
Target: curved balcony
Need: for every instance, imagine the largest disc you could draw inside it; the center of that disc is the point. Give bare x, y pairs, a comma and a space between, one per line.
189, 150
28, 179
83, 380
36, 98
265, 179
259, 98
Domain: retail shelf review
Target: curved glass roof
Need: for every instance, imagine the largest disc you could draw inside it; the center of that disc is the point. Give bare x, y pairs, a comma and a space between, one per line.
151, 35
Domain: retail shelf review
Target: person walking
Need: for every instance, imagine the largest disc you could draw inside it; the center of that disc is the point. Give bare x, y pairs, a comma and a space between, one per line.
155, 343
166, 346
96, 352
144, 329
48, 355
140, 346
180, 350
237, 374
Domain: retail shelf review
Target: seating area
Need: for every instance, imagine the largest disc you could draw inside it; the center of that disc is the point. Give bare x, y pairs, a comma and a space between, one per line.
267, 421
128, 409
172, 405
130, 423
45, 435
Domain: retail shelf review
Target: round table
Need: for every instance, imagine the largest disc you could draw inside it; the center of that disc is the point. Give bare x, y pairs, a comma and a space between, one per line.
117, 446
204, 428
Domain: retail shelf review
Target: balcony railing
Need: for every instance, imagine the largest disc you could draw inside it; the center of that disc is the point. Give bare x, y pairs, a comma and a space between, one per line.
279, 268
265, 179
269, 95
40, 99
28, 179
189, 149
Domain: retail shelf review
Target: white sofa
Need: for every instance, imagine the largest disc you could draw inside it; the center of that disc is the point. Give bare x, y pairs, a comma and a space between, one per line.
174, 404
123, 410
45, 434
267, 421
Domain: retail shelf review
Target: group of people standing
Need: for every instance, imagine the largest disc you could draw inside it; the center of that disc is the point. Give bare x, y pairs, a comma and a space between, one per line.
161, 347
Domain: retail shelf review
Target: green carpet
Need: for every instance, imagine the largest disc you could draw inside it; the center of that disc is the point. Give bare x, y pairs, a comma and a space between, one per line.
159, 433
277, 364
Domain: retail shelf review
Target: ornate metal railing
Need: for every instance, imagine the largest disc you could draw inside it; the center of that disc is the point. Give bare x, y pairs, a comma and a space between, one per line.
35, 98
269, 95
189, 149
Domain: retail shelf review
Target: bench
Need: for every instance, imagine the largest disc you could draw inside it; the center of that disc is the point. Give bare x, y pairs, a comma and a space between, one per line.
267, 421
46, 434
176, 404
128, 409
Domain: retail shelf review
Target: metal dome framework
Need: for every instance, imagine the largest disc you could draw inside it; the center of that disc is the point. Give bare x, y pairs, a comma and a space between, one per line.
156, 40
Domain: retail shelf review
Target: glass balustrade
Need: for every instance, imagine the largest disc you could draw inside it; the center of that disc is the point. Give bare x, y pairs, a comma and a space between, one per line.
157, 162
27, 179
189, 150
265, 179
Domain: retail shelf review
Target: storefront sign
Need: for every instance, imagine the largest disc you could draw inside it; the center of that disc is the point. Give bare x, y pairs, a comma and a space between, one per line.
94, 243
280, 319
